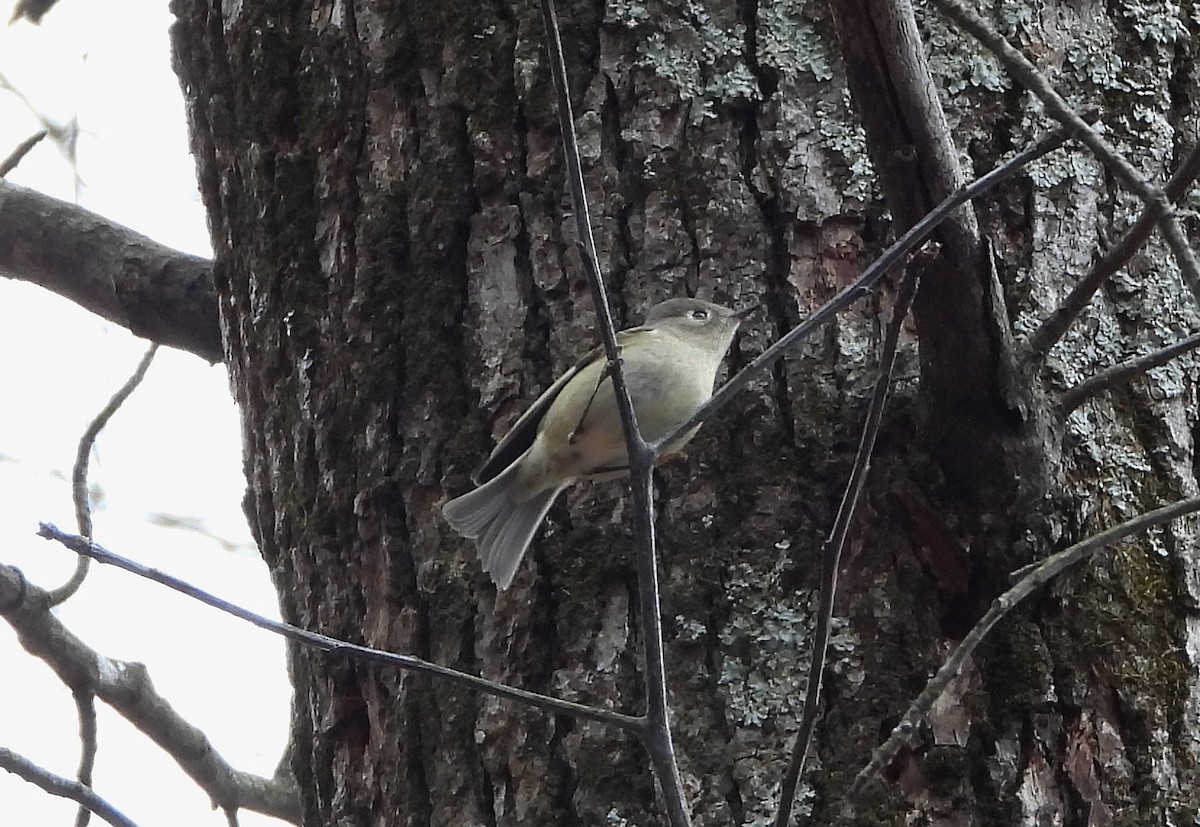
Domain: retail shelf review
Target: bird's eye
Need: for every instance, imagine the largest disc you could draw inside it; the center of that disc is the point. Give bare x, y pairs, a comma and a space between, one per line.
699, 315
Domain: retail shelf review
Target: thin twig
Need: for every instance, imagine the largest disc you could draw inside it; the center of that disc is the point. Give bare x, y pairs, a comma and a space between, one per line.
1072, 398
1033, 80
1033, 578
17, 155
863, 284
85, 709
79, 473
1058, 322
63, 787
81, 545
656, 734
831, 554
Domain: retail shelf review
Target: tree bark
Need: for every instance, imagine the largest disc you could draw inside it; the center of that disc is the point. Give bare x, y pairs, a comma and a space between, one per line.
396, 274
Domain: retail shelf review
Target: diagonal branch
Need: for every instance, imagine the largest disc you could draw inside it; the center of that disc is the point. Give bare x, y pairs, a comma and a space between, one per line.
1072, 398
1058, 322
63, 787
81, 545
1024, 71
861, 286
17, 155
1032, 578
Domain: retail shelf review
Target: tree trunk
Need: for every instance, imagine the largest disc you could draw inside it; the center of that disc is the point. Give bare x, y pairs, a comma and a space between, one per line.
397, 278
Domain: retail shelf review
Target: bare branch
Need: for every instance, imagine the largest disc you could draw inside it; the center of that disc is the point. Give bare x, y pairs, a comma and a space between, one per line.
17, 155
1024, 71
1057, 323
79, 481
864, 283
126, 687
1123, 372
79, 492
81, 545
897, 102
1032, 578
63, 787
831, 555
153, 291
85, 709
656, 735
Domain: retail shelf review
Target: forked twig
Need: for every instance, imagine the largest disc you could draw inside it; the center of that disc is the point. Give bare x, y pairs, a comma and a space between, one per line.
126, 687
1035, 576
831, 553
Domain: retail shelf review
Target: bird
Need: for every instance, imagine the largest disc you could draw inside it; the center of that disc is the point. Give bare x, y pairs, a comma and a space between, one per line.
573, 431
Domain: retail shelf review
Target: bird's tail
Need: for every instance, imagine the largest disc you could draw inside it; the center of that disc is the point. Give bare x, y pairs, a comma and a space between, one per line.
501, 528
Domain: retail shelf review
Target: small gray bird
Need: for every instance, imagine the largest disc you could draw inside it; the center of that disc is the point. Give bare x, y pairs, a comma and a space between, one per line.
573, 431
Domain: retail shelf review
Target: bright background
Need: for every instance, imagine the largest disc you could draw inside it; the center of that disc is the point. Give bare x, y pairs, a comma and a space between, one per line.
173, 449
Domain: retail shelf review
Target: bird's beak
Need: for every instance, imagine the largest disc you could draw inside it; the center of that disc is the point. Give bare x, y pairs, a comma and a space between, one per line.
745, 312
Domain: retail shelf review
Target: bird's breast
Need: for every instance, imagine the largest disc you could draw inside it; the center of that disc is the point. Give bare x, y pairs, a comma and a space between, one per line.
666, 394
667, 380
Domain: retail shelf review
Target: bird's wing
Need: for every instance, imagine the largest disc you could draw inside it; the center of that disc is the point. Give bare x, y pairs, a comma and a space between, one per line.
521, 435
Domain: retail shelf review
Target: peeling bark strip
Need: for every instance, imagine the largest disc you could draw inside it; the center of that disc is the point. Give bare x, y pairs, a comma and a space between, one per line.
963, 343
396, 269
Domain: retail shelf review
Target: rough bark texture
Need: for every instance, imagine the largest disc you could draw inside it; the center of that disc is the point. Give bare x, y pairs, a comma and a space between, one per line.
397, 277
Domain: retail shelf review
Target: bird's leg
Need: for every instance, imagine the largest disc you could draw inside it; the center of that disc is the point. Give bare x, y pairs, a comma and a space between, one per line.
574, 434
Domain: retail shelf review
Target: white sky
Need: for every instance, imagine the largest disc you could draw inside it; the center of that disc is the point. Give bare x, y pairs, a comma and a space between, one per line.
174, 447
